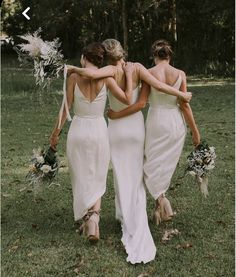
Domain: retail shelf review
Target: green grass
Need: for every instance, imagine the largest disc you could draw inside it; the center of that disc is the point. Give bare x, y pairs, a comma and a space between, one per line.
39, 237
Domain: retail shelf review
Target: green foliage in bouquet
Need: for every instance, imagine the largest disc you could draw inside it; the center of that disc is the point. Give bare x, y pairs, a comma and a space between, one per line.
44, 166
200, 161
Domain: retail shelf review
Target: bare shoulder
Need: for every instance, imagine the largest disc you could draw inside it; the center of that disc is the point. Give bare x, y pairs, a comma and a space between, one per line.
108, 80
152, 69
182, 73
137, 68
73, 77
110, 67
138, 65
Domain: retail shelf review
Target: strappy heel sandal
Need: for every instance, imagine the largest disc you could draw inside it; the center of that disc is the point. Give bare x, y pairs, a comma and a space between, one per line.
163, 211
90, 227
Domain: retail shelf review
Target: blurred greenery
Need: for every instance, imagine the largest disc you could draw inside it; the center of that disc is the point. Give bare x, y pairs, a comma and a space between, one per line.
201, 32
39, 237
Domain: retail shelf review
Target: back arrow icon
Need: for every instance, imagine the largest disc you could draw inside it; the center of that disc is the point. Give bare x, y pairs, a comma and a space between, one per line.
26, 15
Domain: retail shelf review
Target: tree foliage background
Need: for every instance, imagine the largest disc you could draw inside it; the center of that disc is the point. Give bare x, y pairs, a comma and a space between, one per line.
201, 32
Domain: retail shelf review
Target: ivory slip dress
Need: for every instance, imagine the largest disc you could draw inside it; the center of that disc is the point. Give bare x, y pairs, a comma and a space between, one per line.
165, 136
88, 151
126, 137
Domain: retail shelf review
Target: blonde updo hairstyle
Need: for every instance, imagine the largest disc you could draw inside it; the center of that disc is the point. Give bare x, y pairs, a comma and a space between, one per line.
161, 49
114, 50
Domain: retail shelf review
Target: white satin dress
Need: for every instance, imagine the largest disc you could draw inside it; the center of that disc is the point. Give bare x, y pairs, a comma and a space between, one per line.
126, 136
88, 151
165, 136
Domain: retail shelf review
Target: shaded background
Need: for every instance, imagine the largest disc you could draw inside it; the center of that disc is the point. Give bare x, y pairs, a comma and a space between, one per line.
201, 32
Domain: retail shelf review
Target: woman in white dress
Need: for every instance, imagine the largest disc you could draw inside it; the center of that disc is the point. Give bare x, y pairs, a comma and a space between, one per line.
88, 150
126, 137
165, 128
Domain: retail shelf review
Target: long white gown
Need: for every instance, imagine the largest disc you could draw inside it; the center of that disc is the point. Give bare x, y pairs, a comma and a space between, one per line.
126, 136
88, 151
165, 136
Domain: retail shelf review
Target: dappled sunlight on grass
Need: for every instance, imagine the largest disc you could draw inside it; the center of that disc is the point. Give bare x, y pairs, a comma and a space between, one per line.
194, 81
209, 83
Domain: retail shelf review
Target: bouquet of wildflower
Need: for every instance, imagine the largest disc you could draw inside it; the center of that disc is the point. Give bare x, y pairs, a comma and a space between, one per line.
44, 166
44, 56
200, 162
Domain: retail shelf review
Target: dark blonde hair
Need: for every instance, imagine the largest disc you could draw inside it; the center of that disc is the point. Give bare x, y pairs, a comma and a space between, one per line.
162, 49
114, 50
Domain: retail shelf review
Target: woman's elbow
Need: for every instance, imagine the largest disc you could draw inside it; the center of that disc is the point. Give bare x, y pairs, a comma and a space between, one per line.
141, 104
125, 100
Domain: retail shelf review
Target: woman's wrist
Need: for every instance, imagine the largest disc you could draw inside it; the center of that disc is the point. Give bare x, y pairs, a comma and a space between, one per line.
180, 95
195, 131
56, 132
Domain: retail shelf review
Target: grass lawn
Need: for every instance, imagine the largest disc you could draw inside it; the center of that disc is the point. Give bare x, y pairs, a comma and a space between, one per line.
39, 237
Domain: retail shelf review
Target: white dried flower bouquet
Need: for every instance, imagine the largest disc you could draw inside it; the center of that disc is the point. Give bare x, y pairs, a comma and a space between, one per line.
45, 57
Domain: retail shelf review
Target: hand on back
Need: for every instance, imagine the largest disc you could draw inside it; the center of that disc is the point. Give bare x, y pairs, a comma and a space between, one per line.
129, 68
187, 96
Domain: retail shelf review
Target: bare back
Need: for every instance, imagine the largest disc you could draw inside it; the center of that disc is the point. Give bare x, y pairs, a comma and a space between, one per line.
166, 73
89, 88
120, 77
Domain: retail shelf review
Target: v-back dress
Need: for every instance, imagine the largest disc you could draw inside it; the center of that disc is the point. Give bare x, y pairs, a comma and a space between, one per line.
88, 151
165, 136
126, 136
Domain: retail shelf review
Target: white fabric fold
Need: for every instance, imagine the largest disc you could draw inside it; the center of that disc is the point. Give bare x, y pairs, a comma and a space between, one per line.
127, 151
164, 141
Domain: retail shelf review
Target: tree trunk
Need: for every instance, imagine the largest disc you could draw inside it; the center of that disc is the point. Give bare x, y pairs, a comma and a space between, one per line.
174, 25
125, 27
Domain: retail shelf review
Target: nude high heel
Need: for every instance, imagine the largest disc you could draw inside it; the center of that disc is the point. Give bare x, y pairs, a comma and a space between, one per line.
90, 227
157, 216
163, 211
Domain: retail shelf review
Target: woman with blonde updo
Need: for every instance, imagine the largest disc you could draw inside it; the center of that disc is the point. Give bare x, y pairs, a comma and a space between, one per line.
126, 137
165, 127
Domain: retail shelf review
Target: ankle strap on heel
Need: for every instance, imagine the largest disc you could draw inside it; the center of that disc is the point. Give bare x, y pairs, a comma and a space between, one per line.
160, 198
89, 214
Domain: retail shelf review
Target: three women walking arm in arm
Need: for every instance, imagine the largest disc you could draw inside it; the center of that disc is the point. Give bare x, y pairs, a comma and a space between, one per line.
126, 141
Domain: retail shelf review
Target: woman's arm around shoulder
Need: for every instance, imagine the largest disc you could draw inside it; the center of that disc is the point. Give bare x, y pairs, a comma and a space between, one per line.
123, 96
187, 112
147, 77
103, 72
139, 105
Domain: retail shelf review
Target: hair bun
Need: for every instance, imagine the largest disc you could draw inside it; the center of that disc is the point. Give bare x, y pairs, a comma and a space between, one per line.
162, 49
95, 53
114, 50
